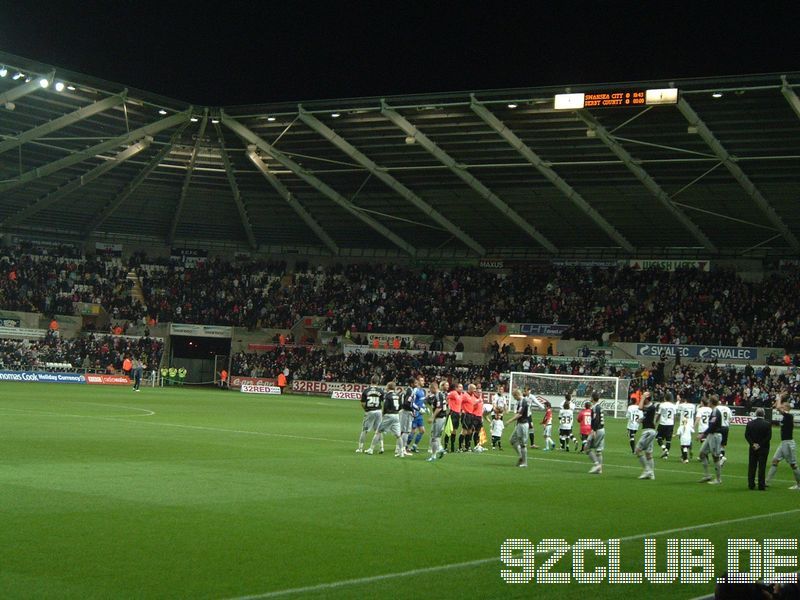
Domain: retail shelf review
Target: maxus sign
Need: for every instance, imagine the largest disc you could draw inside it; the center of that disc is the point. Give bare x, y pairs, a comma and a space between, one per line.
534, 329
699, 352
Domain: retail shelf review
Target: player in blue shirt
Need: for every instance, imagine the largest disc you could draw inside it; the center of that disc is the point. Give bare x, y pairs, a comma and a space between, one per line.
418, 424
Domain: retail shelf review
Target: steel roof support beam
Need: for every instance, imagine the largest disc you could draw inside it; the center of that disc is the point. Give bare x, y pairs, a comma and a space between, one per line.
129, 189
314, 182
465, 176
25, 89
237, 196
748, 186
77, 157
187, 178
390, 181
643, 176
61, 122
284, 193
75, 184
790, 96
503, 131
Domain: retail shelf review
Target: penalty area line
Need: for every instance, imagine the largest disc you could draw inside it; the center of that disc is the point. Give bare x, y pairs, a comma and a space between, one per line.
333, 585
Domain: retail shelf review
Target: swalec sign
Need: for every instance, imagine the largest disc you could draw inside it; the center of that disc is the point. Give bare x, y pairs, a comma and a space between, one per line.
699, 352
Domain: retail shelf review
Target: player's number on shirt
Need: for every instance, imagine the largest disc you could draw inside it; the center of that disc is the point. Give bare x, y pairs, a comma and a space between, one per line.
373, 402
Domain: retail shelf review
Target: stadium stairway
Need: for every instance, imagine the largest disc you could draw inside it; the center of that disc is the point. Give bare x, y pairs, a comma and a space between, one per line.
136, 288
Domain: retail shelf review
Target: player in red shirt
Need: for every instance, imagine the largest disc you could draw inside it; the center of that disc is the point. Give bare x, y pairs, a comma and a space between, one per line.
547, 421
585, 421
454, 405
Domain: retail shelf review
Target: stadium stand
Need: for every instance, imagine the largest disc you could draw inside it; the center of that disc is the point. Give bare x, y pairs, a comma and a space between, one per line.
87, 353
686, 306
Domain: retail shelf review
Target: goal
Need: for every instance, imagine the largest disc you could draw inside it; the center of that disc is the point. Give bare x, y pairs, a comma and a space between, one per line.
552, 387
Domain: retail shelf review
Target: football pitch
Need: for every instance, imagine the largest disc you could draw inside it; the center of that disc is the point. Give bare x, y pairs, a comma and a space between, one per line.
199, 493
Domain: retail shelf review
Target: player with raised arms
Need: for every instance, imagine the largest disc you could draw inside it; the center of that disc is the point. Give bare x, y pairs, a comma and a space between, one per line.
787, 450
371, 399
644, 447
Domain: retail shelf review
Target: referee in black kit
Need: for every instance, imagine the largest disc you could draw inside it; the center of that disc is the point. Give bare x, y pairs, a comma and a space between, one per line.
758, 434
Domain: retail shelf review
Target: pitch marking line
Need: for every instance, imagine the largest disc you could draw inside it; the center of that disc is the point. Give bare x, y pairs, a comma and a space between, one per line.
322, 587
147, 412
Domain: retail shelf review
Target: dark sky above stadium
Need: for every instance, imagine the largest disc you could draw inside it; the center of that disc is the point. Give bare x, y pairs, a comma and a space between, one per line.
249, 52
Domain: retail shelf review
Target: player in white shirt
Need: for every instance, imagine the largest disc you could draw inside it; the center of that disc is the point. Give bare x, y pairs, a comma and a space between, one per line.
666, 424
686, 409
634, 417
726, 413
566, 417
685, 431
702, 418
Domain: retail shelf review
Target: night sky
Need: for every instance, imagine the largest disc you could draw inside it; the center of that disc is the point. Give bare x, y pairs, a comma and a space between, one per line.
251, 52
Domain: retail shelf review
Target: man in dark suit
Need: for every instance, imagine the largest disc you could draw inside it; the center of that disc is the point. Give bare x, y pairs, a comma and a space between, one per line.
758, 434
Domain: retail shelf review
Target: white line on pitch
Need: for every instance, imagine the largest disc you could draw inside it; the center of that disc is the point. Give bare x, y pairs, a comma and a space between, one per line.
452, 566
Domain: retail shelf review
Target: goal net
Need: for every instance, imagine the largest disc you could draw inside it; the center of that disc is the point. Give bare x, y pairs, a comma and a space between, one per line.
552, 387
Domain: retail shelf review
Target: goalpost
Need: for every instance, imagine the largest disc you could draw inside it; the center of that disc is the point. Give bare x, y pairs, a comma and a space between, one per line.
552, 387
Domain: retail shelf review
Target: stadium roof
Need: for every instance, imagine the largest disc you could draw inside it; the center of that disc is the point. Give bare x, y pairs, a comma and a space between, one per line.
497, 173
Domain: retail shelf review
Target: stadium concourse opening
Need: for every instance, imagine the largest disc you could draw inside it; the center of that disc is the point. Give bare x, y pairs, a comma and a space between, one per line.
202, 357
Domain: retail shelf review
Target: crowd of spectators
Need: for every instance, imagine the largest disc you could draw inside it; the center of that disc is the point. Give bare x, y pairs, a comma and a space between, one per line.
51, 280
602, 304
599, 304
747, 385
88, 353
318, 364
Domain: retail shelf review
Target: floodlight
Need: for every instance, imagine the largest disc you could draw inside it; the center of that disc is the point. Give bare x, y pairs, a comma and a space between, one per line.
512, 105
335, 115
270, 118
716, 95
161, 111
3, 72
44, 83
59, 86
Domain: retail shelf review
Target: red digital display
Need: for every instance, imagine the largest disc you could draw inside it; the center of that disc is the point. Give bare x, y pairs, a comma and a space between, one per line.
614, 98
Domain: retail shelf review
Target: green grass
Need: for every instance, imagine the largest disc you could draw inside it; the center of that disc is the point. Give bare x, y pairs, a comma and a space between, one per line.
222, 495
